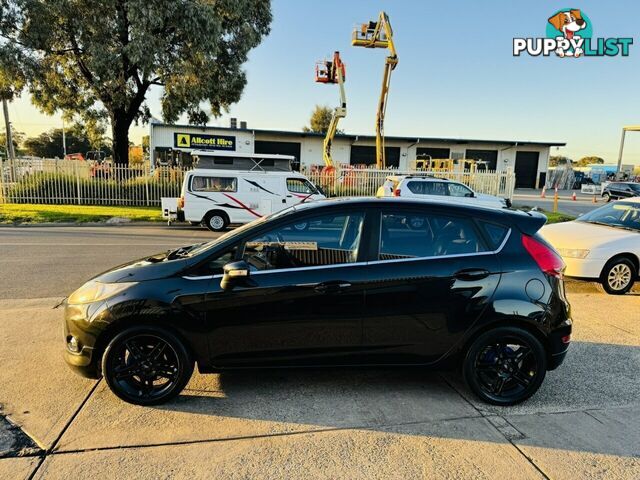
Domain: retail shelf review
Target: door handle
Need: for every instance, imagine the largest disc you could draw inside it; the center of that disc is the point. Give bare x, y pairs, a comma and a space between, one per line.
331, 287
471, 274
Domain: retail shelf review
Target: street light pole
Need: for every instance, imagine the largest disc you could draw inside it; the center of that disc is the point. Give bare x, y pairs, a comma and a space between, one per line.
630, 128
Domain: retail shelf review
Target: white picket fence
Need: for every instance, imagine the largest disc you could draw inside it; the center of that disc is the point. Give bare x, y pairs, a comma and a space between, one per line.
50, 181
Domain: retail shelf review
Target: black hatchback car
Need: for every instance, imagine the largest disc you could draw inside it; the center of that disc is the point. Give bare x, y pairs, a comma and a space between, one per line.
333, 283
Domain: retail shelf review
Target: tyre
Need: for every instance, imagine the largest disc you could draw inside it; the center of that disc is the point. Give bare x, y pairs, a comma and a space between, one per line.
618, 276
505, 366
216, 221
146, 365
606, 197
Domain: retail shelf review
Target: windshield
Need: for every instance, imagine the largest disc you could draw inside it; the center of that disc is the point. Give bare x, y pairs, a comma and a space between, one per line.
237, 232
618, 214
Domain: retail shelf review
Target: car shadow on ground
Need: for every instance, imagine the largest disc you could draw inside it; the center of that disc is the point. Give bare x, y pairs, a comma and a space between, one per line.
594, 377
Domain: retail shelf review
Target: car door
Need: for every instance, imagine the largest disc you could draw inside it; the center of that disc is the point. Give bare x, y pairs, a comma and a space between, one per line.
302, 303
432, 278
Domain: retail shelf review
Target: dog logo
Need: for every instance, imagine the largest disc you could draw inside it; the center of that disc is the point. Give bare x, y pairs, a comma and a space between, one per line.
569, 23
569, 33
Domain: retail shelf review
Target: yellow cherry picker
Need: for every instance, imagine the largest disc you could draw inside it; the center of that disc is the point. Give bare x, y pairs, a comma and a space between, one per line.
332, 71
379, 35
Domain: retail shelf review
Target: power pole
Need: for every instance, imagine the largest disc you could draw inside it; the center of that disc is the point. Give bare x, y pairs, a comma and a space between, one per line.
64, 142
11, 154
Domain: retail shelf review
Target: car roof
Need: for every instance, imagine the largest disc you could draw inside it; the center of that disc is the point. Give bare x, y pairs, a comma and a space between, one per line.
214, 172
425, 178
527, 221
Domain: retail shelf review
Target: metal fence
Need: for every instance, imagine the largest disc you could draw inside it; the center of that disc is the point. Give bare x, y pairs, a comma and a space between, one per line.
365, 181
63, 182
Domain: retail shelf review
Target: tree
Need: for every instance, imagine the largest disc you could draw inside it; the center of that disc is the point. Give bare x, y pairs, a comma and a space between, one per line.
97, 59
17, 141
557, 160
584, 161
320, 119
49, 144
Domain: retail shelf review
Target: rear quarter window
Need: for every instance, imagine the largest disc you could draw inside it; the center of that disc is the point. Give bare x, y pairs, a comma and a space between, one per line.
495, 233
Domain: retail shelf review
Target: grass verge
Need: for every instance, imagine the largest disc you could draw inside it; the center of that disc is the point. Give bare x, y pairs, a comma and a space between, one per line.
31, 213
557, 217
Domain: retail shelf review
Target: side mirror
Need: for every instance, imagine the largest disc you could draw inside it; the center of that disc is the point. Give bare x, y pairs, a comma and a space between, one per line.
234, 274
469, 195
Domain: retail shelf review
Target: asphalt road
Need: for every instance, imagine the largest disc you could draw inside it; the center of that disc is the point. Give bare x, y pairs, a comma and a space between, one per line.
353, 423
53, 261
531, 198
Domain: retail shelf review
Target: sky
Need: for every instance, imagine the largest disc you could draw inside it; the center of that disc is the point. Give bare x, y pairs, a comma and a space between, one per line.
456, 75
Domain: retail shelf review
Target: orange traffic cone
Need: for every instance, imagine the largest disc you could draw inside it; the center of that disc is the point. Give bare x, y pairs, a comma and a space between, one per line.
594, 200
573, 197
544, 192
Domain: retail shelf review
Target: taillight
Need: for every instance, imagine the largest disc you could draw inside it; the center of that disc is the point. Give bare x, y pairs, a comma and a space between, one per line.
181, 202
396, 192
546, 258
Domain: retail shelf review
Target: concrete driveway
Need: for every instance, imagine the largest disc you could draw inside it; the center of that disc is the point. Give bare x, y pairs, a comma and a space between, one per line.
355, 423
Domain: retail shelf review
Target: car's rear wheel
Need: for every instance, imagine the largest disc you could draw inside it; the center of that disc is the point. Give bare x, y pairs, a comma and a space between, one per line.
505, 366
618, 276
216, 221
146, 365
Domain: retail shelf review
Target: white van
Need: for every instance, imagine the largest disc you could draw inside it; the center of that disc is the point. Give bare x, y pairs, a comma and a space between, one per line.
230, 188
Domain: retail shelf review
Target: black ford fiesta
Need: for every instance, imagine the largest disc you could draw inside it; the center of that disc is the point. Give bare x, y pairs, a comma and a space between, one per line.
333, 283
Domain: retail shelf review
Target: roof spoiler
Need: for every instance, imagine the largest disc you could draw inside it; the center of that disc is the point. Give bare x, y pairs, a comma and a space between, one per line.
528, 222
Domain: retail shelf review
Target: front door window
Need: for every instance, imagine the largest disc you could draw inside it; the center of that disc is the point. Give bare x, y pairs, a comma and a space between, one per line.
316, 241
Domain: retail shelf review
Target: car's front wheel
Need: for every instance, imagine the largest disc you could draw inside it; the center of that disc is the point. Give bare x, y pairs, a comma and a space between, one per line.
146, 365
505, 366
606, 197
618, 276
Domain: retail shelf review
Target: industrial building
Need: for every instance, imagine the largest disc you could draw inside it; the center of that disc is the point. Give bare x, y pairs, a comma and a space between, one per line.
172, 144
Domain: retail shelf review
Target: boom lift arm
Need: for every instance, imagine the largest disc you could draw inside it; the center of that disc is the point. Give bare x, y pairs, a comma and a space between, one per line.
332, 72
379, 35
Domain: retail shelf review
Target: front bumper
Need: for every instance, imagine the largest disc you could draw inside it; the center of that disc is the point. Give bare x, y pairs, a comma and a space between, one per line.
583, 267
83, 323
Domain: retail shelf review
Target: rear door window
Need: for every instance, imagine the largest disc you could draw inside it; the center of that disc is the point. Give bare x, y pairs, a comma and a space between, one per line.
413, 235
213, 184
427, 188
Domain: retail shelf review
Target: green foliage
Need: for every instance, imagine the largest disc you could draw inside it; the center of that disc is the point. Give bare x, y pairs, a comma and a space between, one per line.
556, 160
320, 119
61, 188
97, 59
584, 161
49, 144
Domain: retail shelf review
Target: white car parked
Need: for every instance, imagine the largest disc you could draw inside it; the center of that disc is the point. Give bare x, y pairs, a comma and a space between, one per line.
437, 188
602, 245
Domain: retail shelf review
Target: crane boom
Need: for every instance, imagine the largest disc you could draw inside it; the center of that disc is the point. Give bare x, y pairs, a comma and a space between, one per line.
332, 72
379, 35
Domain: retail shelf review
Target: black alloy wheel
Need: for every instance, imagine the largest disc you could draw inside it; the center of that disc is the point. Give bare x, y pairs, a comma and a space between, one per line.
146, 365
505, 366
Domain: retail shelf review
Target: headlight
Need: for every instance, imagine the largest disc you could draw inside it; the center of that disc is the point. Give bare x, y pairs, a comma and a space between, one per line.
573, 252
94, 291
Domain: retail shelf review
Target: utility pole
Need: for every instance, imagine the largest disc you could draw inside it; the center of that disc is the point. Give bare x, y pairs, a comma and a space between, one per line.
11, 154
64, 142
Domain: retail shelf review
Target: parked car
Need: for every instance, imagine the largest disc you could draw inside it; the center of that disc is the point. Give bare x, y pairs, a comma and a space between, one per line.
420, 186
359, 286
602, 245
241, 188
618, 190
